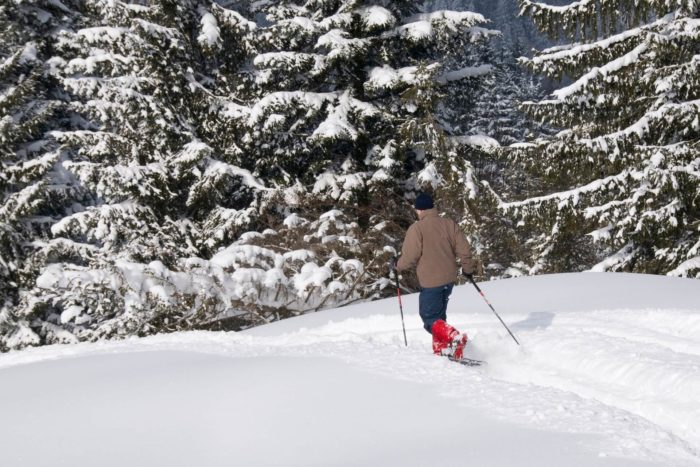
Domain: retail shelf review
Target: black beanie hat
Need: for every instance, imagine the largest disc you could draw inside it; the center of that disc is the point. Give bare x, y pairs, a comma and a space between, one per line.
424, 201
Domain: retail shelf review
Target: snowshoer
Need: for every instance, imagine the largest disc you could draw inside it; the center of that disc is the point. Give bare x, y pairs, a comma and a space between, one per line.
431, 246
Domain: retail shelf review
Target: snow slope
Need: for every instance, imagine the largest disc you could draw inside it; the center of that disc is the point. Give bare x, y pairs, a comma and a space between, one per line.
608, 375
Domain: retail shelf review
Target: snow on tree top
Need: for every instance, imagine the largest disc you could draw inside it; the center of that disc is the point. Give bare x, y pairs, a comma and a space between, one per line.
582, 6
481, 141
237, 255
337, 123
339, 187
311, 274
340, 46
579, 5
234, 18
416, 31
376, 16
27, 54
305, 24
170, 37
235, 110
193, 151
423, 26
386, 77
430, 175
211, 35
302, 256
284, 99
215, 167
294, 220
338, 20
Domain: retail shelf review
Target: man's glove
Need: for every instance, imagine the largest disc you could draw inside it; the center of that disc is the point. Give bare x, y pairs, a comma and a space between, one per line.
468, 275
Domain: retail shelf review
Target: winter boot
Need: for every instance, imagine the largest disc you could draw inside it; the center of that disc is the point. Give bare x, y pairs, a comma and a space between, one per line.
447, 340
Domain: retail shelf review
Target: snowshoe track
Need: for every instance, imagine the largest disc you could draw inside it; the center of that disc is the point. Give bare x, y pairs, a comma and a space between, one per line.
608, 368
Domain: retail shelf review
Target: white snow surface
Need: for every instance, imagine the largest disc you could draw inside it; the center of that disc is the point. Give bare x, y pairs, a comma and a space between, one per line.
608, 374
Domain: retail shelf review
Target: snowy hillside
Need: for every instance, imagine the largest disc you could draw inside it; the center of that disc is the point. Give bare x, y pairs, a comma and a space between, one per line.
608, 375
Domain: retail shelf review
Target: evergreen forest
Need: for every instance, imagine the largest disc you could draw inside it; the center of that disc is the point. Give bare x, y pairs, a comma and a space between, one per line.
175, 165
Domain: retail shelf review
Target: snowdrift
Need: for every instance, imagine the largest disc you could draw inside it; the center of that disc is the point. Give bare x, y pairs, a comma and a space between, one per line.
607, 375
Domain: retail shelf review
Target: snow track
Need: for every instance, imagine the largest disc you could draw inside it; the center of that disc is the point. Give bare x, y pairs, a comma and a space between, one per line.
622, 382
608, 372
615, 358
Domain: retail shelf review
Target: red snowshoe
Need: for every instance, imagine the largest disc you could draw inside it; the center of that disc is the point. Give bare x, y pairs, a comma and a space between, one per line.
448, 341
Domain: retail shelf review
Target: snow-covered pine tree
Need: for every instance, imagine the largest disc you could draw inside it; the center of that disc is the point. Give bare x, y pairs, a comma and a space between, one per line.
185, 124
33, 191
492, 108
620, 185
343, 112
125, 73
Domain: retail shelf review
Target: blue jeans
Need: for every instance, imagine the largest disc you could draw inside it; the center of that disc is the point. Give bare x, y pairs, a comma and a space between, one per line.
432, 304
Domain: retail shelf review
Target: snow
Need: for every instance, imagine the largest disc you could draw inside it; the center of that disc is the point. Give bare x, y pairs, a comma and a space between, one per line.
339, 187
294, 220
601, 72
430, 175
643, 126
28, 54
289, 60
416, 31
607, 375
569, 194
311, 274
385, 77
481, 141
99, 34
574, 51
235, 19
623, 256
580, 6
337, 124
685, 266
210, 35
216, 169
450, 17
467, 72
339, 45
70, 313
376, 16
285, 99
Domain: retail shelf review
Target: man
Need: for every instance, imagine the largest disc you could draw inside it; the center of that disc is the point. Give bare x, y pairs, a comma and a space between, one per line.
431, 246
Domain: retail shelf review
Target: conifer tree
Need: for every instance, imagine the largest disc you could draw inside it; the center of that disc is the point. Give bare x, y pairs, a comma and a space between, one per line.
122, 74
220, 165
619, 186
33, 188
343, 107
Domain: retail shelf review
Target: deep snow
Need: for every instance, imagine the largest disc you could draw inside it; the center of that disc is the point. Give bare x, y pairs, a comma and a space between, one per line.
608, 375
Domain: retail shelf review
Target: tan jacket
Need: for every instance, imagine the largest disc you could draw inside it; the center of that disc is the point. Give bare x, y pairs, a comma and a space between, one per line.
432, 244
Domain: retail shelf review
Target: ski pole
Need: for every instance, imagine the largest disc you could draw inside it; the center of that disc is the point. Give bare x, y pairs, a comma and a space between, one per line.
494, 311
398, 293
